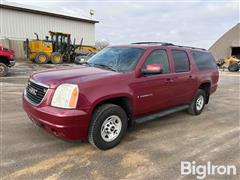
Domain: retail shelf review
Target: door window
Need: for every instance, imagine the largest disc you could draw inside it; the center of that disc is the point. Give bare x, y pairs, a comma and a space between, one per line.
181, 61
158, 57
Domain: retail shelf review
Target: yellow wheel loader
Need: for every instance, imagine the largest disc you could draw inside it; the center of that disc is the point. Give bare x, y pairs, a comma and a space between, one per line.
232, 63
57, 48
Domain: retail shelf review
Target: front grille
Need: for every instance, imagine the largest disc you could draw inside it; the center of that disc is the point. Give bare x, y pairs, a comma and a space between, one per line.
35, 92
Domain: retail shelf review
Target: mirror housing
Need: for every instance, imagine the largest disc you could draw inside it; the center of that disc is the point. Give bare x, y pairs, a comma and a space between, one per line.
152, 69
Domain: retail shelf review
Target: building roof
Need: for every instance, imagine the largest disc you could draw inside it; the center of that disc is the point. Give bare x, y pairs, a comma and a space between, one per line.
42, 11
235, 38
222, 47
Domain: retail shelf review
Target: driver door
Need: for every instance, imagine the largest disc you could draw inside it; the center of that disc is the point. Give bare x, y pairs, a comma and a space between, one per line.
153, 92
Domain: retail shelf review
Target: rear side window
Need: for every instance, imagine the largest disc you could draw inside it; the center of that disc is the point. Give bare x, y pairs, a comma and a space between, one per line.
181, 61
158, 57
204, 60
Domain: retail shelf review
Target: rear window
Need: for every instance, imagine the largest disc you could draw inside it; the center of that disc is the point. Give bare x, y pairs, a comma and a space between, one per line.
181, 61
204, 60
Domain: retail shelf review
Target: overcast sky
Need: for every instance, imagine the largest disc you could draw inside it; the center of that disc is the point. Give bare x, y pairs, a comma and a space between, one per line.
193, 23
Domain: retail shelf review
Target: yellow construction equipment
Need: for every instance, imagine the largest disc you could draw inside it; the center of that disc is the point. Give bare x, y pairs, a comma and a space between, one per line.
57, 48
231, 63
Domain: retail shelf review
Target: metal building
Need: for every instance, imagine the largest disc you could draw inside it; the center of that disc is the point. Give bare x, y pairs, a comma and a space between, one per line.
18, 22
228, 44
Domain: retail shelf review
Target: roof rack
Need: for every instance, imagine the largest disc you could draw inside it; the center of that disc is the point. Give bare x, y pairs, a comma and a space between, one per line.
168, 44
189, 47
162, 43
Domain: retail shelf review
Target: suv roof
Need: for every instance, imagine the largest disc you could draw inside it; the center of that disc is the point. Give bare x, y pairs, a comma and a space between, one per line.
166, 44
146, 45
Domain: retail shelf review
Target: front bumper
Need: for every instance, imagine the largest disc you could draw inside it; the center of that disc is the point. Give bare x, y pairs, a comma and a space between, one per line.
66, 124
12, 63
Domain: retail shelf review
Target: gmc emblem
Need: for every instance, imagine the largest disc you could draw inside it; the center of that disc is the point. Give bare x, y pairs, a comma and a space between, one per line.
32, 91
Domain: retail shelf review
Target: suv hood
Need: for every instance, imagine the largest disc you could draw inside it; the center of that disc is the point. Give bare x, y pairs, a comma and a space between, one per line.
55, 77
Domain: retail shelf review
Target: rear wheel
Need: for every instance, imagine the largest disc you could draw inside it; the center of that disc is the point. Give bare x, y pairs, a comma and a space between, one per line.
233, 67
108, 125
67, 58
41, 58
56, 58
198, 103
3, 70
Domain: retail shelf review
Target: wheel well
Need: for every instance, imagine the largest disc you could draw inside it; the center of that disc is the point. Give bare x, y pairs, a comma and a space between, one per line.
4, 60
123, 102
206, 88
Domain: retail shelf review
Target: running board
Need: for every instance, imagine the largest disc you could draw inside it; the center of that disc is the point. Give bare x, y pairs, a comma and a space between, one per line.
161, 114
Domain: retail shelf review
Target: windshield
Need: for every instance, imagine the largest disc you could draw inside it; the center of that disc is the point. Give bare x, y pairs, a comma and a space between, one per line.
117, 58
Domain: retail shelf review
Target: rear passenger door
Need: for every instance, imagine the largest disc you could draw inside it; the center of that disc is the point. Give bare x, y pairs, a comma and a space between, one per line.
183, 80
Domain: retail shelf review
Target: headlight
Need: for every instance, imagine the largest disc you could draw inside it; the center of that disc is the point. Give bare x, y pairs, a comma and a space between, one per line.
65, 96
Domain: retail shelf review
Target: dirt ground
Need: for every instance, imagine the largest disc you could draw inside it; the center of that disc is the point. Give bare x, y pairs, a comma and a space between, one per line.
151, 150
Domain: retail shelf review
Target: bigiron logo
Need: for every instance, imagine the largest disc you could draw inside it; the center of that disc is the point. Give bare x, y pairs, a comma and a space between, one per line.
202, 171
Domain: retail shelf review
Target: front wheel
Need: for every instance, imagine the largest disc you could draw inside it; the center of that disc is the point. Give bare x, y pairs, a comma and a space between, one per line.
233, 67
198, 103
108, 125
3, 70
41, 58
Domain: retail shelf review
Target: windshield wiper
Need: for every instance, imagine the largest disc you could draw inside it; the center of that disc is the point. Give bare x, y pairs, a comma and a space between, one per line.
104, 66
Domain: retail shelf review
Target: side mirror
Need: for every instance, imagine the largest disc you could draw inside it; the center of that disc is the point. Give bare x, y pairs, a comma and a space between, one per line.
152, 69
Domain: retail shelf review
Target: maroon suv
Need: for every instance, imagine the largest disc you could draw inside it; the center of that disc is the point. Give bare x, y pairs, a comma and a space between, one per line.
118, 86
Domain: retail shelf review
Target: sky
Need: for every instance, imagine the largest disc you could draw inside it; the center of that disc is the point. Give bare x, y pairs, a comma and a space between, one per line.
194, 23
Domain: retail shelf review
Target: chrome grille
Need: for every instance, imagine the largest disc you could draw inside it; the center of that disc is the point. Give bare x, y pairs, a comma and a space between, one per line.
35, 92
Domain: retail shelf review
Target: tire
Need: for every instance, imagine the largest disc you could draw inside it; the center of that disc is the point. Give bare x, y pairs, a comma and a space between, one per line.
233, 67
3, 70
101, 118
41, 58
67, 58
198, 102
56, 58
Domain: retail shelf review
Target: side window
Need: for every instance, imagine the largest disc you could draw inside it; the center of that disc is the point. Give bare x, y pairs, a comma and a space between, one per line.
158, 57
181, 61
204, 60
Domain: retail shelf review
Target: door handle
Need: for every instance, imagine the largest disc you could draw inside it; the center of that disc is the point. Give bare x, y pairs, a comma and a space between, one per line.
190, 77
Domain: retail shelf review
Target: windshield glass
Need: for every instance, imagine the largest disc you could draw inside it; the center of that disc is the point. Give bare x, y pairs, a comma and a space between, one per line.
117, 58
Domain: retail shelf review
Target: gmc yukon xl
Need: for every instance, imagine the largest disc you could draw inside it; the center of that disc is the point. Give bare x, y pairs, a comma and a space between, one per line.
119, 86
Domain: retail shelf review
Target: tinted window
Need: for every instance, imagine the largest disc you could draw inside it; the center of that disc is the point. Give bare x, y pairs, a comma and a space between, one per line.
158, 57
181, 61
203, 60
